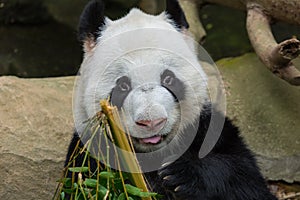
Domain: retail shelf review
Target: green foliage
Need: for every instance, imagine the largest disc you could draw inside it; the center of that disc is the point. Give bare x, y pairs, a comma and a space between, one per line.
106, 184
138, 192
78, 169
103, 184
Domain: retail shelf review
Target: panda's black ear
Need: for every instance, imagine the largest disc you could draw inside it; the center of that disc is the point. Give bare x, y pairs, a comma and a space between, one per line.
176, 14
91, 19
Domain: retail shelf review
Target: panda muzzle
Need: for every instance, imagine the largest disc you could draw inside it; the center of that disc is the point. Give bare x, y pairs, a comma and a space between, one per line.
152, 125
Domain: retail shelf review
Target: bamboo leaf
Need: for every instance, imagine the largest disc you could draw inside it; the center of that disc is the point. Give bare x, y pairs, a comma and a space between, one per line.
68, 191
62, 196
138, 192
102, 191
122, 196
90, 183
78, 169
107, 175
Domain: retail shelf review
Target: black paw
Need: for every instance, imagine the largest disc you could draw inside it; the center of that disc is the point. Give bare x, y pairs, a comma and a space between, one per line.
181, 179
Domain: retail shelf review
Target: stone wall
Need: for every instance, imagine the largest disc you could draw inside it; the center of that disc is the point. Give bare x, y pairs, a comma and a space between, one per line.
267, 111
35, 127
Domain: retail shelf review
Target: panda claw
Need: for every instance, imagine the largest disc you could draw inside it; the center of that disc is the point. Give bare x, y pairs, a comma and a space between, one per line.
178, 188
160, 173
167, 178
166, 164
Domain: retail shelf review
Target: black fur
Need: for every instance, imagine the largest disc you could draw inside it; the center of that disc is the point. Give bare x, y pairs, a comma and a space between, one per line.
91, 19
228, 172
176, 14
120, 91
174, 85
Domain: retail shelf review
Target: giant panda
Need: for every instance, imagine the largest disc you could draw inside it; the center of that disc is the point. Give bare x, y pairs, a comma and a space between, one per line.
148, 67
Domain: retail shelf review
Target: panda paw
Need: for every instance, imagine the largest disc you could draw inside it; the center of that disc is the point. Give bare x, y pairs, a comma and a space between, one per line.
180, 179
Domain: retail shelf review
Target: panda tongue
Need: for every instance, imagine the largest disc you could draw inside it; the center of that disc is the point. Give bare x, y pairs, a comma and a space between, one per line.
152, 140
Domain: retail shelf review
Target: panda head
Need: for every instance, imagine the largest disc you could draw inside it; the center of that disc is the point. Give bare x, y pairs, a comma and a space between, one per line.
147, 66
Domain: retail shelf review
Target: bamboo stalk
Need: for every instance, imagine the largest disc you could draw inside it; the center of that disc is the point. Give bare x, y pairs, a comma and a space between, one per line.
120, 138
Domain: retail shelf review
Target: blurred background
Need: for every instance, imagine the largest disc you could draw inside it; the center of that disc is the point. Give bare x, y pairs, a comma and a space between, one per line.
38, 37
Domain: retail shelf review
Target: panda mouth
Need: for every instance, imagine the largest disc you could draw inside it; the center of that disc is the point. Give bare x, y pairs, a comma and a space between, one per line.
151, 140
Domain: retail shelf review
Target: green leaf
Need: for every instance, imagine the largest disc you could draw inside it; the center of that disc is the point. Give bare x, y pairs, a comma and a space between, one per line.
78, 169
138, 192
115, 197
90, 183
75, 185
106, 175
102, 191
62, 196
122, 196
68, 191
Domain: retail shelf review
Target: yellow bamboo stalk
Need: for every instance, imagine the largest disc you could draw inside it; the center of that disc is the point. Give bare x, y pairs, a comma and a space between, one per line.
121, 139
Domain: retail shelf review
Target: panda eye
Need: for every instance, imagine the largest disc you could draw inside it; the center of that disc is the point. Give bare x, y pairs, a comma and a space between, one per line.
174, 85
124, 86
168, 80
120, 91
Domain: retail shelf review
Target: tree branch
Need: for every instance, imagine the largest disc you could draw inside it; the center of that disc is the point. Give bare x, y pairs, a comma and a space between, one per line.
283, 10
277, 57
190, 8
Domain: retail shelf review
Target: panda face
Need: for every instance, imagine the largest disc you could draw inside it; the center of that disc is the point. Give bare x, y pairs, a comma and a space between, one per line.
151, 109
154, 91
150, 71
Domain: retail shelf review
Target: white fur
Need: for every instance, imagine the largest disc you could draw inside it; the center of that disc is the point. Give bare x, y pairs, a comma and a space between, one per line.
141, 47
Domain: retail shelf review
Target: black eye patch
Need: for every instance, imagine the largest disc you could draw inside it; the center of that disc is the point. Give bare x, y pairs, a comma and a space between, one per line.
120, 91
174, 85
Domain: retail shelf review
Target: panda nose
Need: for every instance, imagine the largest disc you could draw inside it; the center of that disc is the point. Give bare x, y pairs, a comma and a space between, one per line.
153, 125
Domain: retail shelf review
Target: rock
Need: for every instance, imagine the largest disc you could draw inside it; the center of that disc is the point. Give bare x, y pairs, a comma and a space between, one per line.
35, 128
266, 109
